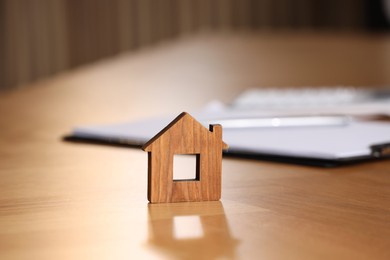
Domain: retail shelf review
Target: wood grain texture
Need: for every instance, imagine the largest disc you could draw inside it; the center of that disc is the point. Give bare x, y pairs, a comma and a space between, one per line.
185, 135
66, 201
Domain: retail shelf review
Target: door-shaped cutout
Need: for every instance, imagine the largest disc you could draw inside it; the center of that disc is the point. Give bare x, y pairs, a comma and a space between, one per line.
186, 167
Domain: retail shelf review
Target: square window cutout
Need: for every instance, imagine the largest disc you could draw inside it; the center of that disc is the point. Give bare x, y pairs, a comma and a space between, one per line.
186, 167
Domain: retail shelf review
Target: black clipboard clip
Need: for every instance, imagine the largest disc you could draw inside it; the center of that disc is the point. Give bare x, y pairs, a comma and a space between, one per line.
380, 150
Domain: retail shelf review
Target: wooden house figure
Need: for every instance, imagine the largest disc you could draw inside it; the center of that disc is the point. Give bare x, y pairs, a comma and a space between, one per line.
185, 135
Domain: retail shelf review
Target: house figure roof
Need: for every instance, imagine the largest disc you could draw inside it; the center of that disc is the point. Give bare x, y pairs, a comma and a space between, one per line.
188, 126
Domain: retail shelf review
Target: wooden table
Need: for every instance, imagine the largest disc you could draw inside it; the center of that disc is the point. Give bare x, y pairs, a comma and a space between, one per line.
63, 200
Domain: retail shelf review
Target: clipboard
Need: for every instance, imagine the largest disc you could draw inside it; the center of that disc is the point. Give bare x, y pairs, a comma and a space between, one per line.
325, 146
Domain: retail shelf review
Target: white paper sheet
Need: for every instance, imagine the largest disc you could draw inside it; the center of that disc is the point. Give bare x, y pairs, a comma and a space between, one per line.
319, 142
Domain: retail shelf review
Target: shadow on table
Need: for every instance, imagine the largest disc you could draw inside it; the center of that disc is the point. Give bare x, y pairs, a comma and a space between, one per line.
197, 230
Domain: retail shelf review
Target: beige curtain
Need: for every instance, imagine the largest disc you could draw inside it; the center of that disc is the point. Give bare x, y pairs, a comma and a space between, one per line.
42, 37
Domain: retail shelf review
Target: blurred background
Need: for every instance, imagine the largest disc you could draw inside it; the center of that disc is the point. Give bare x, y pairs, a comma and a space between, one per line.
40, 38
